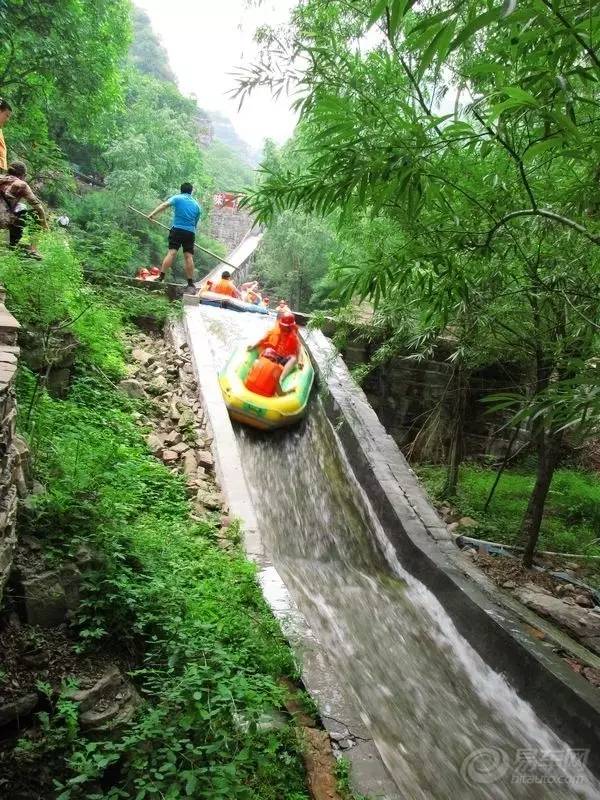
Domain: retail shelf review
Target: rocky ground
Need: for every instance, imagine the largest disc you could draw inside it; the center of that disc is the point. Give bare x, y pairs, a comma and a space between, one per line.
567, 602
162, 377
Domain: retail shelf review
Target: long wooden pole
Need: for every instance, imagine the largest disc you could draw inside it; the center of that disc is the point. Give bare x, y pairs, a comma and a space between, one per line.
197, 246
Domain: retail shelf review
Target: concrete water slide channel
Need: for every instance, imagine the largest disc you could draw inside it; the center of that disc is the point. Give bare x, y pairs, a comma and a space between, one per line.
392, 639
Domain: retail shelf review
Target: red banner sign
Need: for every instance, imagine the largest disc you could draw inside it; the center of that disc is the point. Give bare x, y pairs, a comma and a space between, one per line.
226, 200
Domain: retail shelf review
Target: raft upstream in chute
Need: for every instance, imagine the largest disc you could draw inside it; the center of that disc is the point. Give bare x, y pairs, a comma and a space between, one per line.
224, 301
265, 413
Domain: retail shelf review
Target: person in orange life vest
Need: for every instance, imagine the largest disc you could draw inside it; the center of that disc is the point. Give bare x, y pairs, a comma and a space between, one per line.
284, 341
265, 302
226, 286
282, 308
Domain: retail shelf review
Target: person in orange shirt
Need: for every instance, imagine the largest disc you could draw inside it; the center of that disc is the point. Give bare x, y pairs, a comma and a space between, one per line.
281, 344
5, 112
226, 286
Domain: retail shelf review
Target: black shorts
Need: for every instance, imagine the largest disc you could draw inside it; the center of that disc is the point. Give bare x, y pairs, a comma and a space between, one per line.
180, 238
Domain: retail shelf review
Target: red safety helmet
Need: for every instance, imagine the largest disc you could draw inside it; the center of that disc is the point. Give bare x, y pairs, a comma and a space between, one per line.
287, 320
154, 271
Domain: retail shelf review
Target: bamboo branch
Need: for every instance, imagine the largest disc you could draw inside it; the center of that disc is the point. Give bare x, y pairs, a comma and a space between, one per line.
541, 212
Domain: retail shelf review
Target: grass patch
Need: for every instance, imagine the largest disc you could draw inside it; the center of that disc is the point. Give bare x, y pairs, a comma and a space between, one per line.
207, 650
572, 519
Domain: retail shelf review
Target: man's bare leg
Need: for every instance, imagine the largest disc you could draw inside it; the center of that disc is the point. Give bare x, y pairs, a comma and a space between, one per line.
188, 264
167, 263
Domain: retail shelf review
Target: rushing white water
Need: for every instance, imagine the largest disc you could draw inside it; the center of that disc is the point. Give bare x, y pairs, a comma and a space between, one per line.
447, 726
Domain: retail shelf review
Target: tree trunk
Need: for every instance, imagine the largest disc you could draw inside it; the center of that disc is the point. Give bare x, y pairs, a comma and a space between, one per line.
549, 447
456, 453
502, 467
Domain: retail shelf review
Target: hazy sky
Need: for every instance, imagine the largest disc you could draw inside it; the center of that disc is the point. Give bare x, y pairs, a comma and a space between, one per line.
206, 41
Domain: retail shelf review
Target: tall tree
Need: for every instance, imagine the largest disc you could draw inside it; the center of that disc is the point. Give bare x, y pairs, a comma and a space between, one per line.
477, 142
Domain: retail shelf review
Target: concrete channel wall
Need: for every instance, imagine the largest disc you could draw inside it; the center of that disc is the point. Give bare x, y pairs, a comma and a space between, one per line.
563, 700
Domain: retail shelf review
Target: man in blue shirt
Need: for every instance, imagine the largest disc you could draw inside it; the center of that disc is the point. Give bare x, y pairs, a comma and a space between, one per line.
186, 216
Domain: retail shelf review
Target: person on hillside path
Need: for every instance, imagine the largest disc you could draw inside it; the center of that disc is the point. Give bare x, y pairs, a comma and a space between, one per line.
186, 216
5, 112
14, 189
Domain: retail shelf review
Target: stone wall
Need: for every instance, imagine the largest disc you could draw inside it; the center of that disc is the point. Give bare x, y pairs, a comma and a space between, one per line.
13, 450
229, 226
414, 402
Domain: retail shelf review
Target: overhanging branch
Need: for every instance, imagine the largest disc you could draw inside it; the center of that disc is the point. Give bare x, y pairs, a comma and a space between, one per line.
541, 212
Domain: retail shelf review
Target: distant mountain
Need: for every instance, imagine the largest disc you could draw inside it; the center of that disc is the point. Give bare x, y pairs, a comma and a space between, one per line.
146, 52
150, 57
225, 132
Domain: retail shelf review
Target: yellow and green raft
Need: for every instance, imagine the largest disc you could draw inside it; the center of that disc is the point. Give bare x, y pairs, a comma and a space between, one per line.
265, 413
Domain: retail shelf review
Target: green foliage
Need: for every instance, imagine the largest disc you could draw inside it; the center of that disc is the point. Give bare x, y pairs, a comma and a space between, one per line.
147, 54
59, 65
293, 258
226, 168
80, 105
134, 304
572, 521
458, 155
160, 587
50, 298
342, 775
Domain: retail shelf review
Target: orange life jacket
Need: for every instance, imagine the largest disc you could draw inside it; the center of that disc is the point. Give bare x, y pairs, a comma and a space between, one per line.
225, 287
263, 377
285, 343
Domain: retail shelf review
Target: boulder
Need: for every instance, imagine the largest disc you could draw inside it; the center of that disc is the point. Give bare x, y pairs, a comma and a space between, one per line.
70, 580
208, 500
174, 412
133, 388
170, 456
9, 712
158, 385
581, 623
467, 522
108, 704
180, 447
142, 356
189, 464
172, 437
584, 600
44, 599
204, 458
187, 418
154, 443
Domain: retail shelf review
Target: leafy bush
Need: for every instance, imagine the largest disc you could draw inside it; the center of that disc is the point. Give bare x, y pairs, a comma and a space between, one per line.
50, 298
572, 519
210, 651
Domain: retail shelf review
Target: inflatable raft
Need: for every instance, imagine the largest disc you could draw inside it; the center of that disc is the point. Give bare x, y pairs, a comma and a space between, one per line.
265, 413
224, 301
